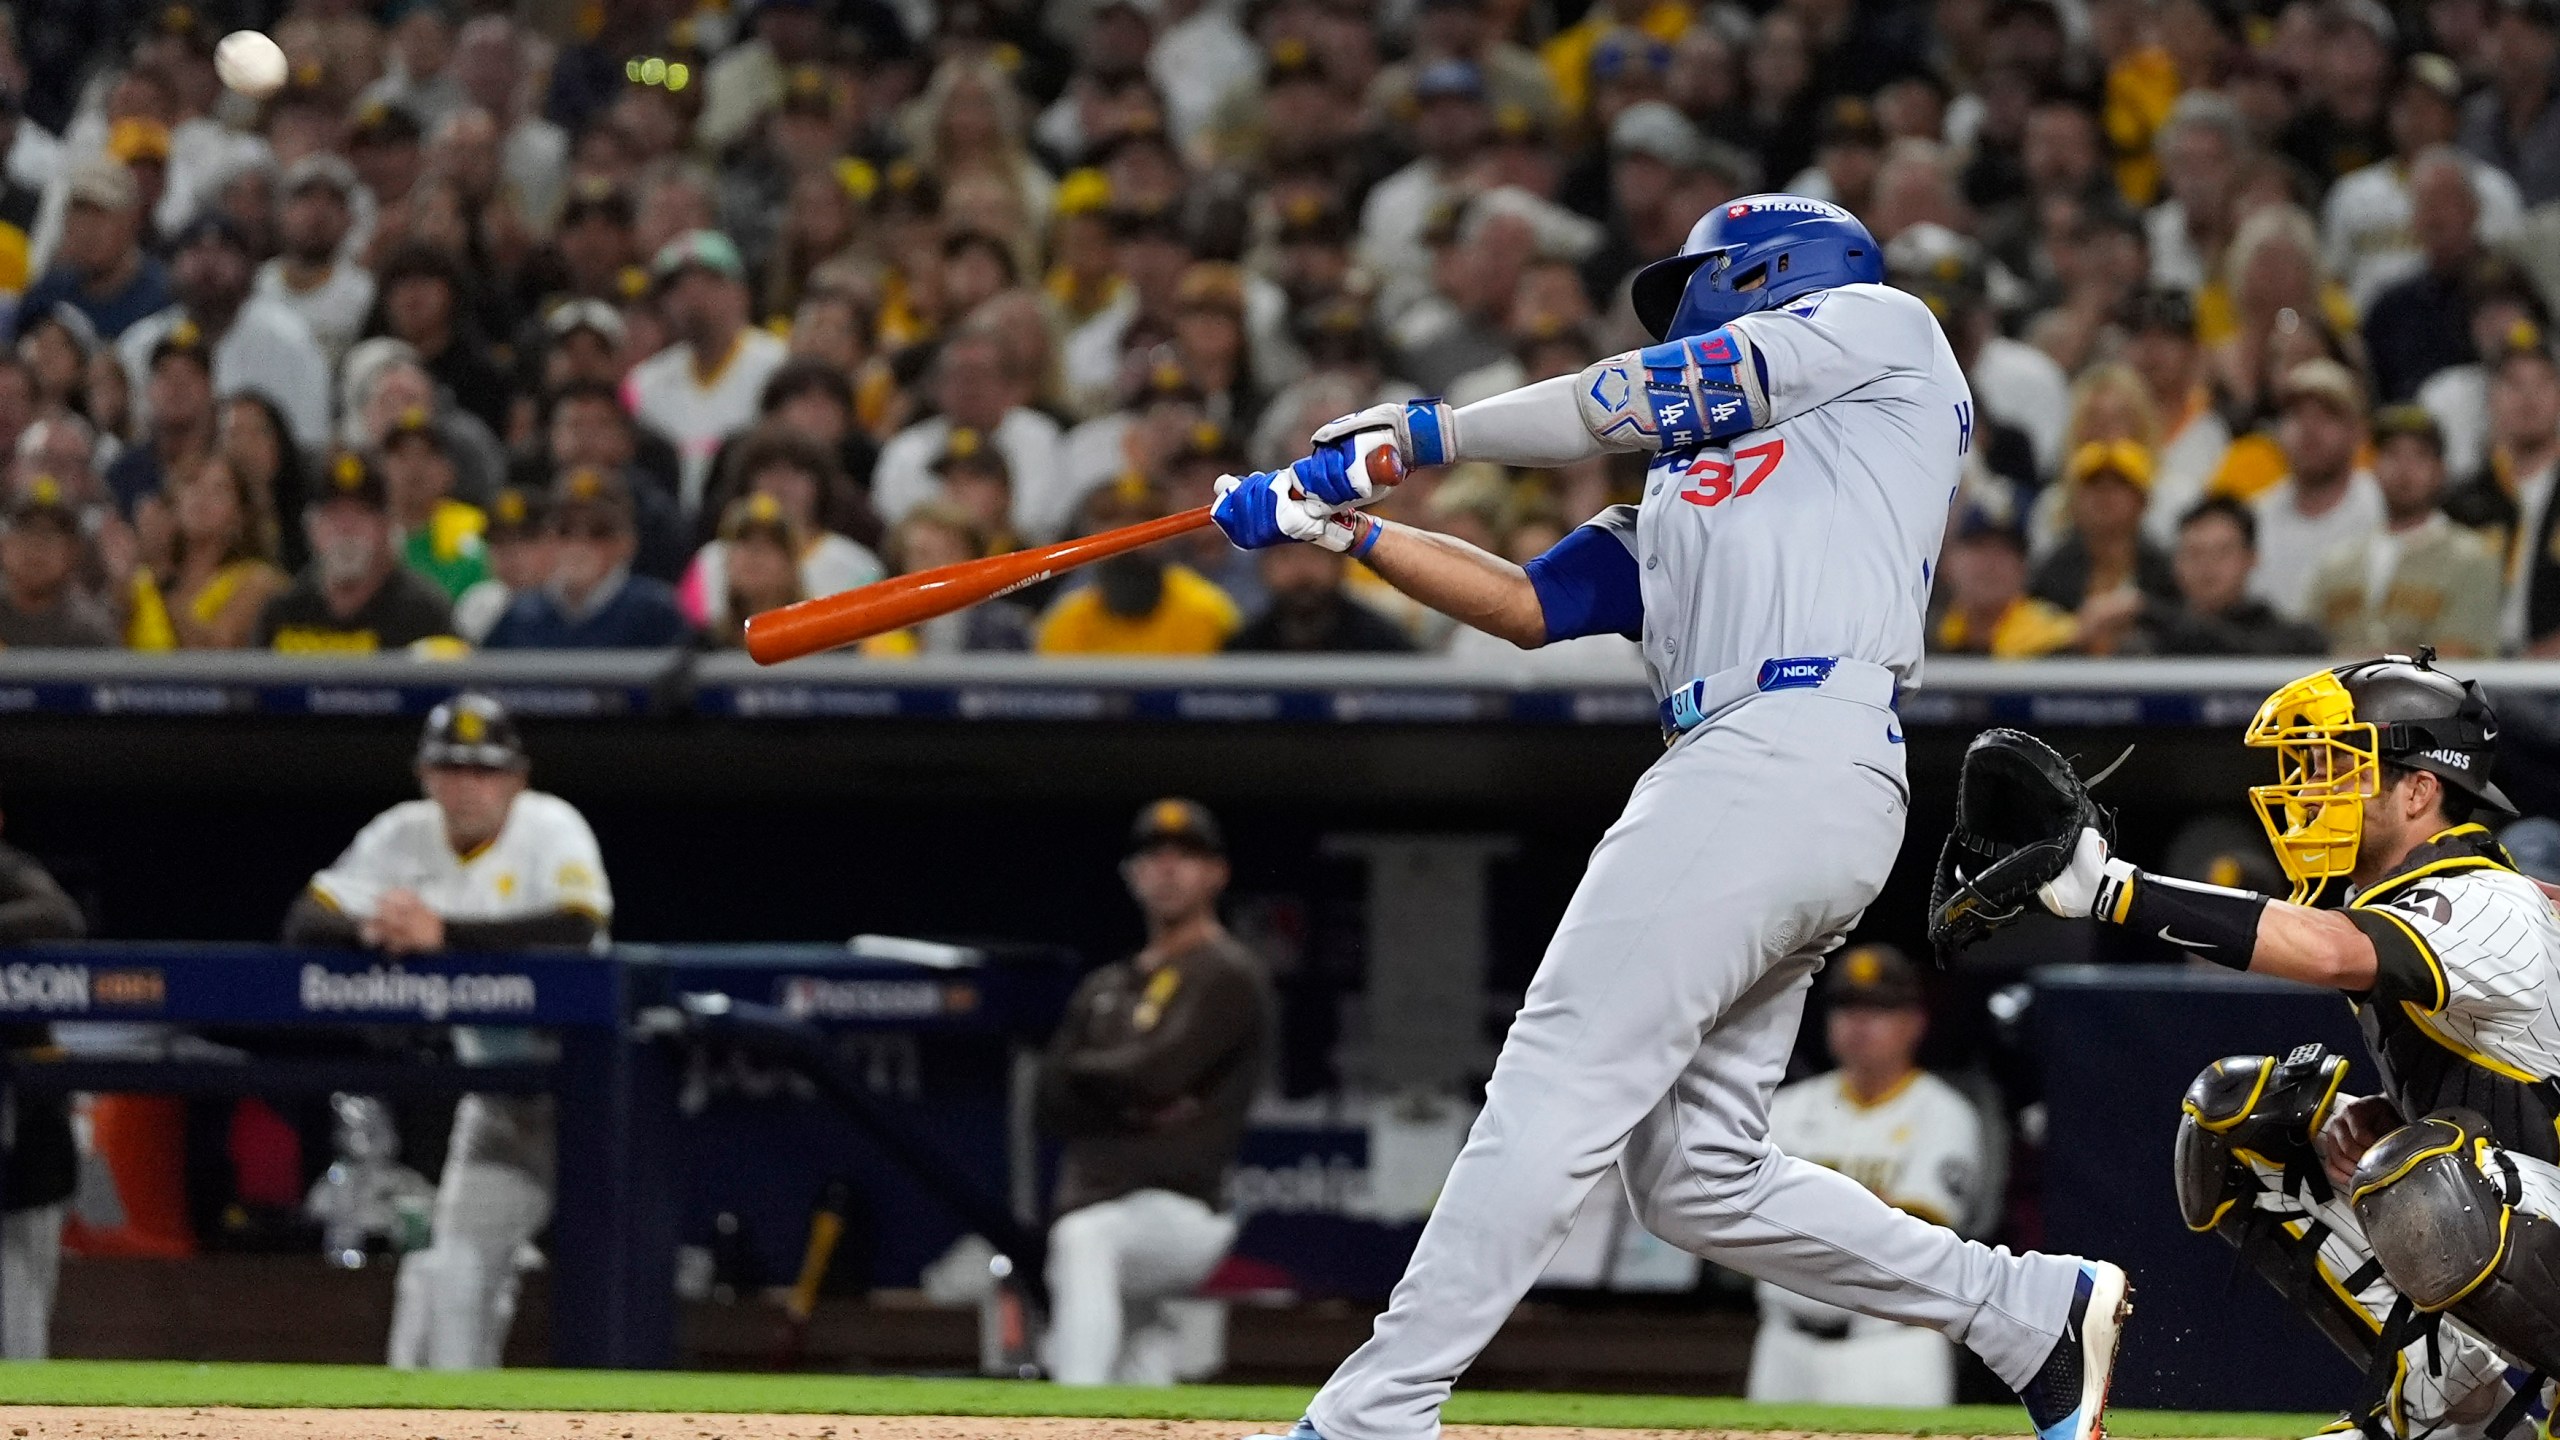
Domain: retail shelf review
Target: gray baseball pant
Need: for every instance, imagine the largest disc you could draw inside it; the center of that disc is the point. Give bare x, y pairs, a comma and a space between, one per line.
1660, 1020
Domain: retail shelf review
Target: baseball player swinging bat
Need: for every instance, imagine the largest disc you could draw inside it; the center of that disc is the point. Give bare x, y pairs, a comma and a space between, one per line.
828, 621
1803, 428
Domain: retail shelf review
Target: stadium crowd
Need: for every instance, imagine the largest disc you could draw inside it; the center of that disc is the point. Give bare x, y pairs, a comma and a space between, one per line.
612, 324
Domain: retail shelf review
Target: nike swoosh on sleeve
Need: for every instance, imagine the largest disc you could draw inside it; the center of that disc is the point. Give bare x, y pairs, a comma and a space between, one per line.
2185, 944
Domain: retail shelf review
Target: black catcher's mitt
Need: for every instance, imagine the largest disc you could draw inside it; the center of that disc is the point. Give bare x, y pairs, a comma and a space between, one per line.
2020, 809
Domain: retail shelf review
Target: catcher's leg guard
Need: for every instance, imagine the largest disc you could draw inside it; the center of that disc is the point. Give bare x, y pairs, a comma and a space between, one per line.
2438, 1202
2268, 1110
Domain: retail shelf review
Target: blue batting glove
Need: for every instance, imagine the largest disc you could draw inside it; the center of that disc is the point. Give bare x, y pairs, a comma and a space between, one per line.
1248, 510
1329, 473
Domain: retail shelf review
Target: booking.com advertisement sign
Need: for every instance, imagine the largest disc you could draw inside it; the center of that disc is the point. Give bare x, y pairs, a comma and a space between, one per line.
243, 985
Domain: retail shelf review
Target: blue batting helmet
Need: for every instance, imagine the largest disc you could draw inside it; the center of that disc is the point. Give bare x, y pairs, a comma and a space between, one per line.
1755, 253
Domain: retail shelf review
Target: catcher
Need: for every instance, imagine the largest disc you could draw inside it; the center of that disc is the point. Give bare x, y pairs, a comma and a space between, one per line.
2416, 1226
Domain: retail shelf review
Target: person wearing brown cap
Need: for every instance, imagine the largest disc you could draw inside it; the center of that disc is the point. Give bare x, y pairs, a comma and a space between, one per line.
520, 554
592, 601
355, 597
1148, 1081
258, 344
99, 265
2325, 500
1905, 1134
1988, 610
178, 399
42, 552
2420, 579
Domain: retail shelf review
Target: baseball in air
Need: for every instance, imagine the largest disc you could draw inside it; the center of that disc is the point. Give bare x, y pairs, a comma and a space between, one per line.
250, 63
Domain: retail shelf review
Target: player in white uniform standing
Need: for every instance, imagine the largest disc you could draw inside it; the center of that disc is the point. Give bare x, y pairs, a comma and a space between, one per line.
1905, 1134
1809, 424
481, 864
2418, 1227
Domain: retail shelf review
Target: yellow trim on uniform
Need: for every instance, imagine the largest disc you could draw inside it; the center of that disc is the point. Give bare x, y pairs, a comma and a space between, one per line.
325, 898
2486, 1062
2249, 1106
2433, 867
2506, 1227
2426, 952
2337, 1287
2215, 1221
2412, 1163
574, 907
2124, 903
1891, 1093
465, 857
703, 380
2337, 1082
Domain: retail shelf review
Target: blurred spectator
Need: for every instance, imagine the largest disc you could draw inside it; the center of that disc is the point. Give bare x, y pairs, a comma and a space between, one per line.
2422, 324
1148, 1083
2510, 500
592, 600
2341, 129
252, 435
2420, 579
2369, 222
440, 536
2215, 613
2014, 383
354, 597
1988, 610
44, 1162
2513, 122
42, 554
2327, 500
974, 479
258, 344
422, 300
2204, 148
976, 388
759, 547
1308, 611
488, 65
798, 474
704, 387
1137, 603
2105, 570
314, 277
588, 427
417, 77
222, 567
519, 544
814, 399
2500, 301
101, 268
2160, 345
934, 534
179, 390
56, 345
747, 79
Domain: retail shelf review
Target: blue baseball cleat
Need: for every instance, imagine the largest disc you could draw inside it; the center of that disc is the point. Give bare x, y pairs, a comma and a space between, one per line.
1304, 1430
2068, 1398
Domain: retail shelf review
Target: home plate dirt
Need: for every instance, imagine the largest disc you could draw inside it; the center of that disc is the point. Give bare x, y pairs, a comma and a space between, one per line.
75, 1422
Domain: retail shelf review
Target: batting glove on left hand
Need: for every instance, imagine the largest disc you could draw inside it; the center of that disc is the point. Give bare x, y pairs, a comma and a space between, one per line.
1269, 508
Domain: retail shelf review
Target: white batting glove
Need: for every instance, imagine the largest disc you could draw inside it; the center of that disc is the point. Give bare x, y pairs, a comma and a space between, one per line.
1426, 433
1271, 508
2092, 874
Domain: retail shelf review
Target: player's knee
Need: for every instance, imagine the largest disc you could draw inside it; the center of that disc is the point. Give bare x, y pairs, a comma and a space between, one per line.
2268, 1107
2437, 1200
1091, 1234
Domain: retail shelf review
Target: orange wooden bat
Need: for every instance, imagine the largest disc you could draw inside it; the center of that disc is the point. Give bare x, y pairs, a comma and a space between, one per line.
824, 623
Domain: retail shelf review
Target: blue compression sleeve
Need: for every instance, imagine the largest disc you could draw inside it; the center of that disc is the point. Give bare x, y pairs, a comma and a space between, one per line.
1586, 584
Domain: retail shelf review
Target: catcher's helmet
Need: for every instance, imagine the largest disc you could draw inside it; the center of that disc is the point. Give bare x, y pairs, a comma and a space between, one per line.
2333, 730
1755, 253
471, 731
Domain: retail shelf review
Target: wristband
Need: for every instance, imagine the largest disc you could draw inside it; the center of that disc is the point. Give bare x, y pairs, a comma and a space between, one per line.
1366, 530
1430, 431
2218, 924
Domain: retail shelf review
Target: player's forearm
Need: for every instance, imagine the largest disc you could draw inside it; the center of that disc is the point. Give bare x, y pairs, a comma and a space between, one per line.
1462, 582
1536, 426
2243, 930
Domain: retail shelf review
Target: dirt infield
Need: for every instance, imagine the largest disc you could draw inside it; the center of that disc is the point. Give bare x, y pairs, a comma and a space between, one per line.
49, 1422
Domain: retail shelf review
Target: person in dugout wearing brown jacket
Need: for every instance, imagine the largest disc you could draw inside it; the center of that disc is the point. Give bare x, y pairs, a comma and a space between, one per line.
1148, 1082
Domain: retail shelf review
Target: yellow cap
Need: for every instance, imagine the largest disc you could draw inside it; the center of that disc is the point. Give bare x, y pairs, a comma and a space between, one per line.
2123, 459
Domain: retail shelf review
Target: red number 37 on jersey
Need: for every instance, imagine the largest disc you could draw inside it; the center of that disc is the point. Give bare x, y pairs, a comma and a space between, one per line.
1709, 480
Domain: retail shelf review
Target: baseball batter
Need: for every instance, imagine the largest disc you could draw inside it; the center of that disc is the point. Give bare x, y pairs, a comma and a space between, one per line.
1808, 425
2418, 1227
481, 864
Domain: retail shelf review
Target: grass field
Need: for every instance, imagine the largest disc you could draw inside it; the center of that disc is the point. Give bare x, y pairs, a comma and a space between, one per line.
82, 1382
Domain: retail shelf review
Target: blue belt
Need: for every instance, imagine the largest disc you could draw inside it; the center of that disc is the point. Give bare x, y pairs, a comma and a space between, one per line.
1694, 704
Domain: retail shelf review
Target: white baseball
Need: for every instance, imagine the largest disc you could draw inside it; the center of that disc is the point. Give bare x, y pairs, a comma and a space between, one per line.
250, 63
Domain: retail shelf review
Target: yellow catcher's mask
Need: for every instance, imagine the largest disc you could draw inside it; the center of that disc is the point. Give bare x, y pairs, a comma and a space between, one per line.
2326, 764
2335, 730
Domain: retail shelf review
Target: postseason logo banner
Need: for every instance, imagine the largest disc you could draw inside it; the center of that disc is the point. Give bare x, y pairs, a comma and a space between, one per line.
263, 984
